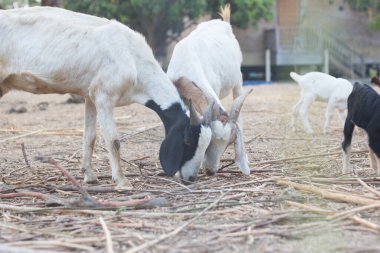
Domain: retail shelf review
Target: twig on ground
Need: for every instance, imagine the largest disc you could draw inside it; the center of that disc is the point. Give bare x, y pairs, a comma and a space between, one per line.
329, 195
107, 234
365, 185
24, 155
253, 138
11, 249
88, 200
303, 157
20, 136
49, 200
348, 214
139, 131
355, 210
177, 230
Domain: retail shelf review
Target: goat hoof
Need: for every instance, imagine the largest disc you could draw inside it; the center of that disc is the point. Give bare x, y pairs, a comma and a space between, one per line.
91, 178
124, 184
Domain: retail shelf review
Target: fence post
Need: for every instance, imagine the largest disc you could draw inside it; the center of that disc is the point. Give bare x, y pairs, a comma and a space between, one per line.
362, 68
326, 61
267, 66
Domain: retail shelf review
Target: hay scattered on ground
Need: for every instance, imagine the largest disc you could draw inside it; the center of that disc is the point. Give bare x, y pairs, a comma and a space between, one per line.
295, 199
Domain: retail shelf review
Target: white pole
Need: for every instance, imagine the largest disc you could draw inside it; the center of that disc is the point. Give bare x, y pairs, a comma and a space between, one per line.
267, 66
326, 61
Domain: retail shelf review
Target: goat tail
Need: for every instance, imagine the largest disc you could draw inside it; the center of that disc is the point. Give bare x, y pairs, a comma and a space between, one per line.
295, 76
225, 13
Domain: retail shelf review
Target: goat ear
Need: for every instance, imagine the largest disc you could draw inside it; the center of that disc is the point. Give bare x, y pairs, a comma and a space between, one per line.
240, 156
171, 152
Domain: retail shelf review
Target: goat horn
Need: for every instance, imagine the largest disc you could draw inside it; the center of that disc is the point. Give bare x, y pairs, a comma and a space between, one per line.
195, 119
236, 106
190, 90
211, 113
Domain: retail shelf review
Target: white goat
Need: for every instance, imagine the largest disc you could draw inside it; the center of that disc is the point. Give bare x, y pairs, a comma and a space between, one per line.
320, 86
52, 50
208, 62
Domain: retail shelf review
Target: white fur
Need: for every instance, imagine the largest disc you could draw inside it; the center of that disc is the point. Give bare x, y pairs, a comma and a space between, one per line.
187, 171
52, 50
317, 85
210, 56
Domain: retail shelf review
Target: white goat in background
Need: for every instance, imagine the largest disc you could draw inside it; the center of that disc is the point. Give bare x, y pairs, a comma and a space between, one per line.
207, 62
320, 86
52, 50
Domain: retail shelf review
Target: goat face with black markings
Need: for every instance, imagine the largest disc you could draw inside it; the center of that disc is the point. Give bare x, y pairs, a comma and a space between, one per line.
363, 111
186, 140
224, 125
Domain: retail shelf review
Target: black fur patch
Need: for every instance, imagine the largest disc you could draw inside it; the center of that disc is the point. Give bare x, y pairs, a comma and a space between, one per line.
181, 139
116, 144
364, 111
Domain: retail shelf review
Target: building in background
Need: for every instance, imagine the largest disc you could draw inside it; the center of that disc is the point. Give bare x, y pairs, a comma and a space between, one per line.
305, 34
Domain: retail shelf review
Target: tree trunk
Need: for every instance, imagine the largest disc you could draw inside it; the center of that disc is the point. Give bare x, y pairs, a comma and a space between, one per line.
55, 3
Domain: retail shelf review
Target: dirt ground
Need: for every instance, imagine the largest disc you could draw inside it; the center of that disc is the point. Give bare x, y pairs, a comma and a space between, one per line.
228, 212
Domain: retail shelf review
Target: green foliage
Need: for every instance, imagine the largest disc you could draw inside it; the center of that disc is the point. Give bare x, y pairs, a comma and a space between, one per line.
364, 6
21, 3
244, 12
163, 20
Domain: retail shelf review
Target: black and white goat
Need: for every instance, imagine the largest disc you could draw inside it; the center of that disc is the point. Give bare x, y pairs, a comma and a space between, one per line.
363, 111
320, 86
207, 64
52, 50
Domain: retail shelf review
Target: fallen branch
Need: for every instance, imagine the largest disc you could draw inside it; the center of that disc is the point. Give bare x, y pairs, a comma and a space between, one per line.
352, 217
327, 194
176, 231
355, 210
20, 136
139, 131
365, 185
75, 182
19, 208
345, 180
49, 200
304, 156
10, 249
24, 155
89, 201
313, 209
107, 234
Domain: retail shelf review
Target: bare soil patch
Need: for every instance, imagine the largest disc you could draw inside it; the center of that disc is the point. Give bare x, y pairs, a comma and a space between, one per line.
228, 212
